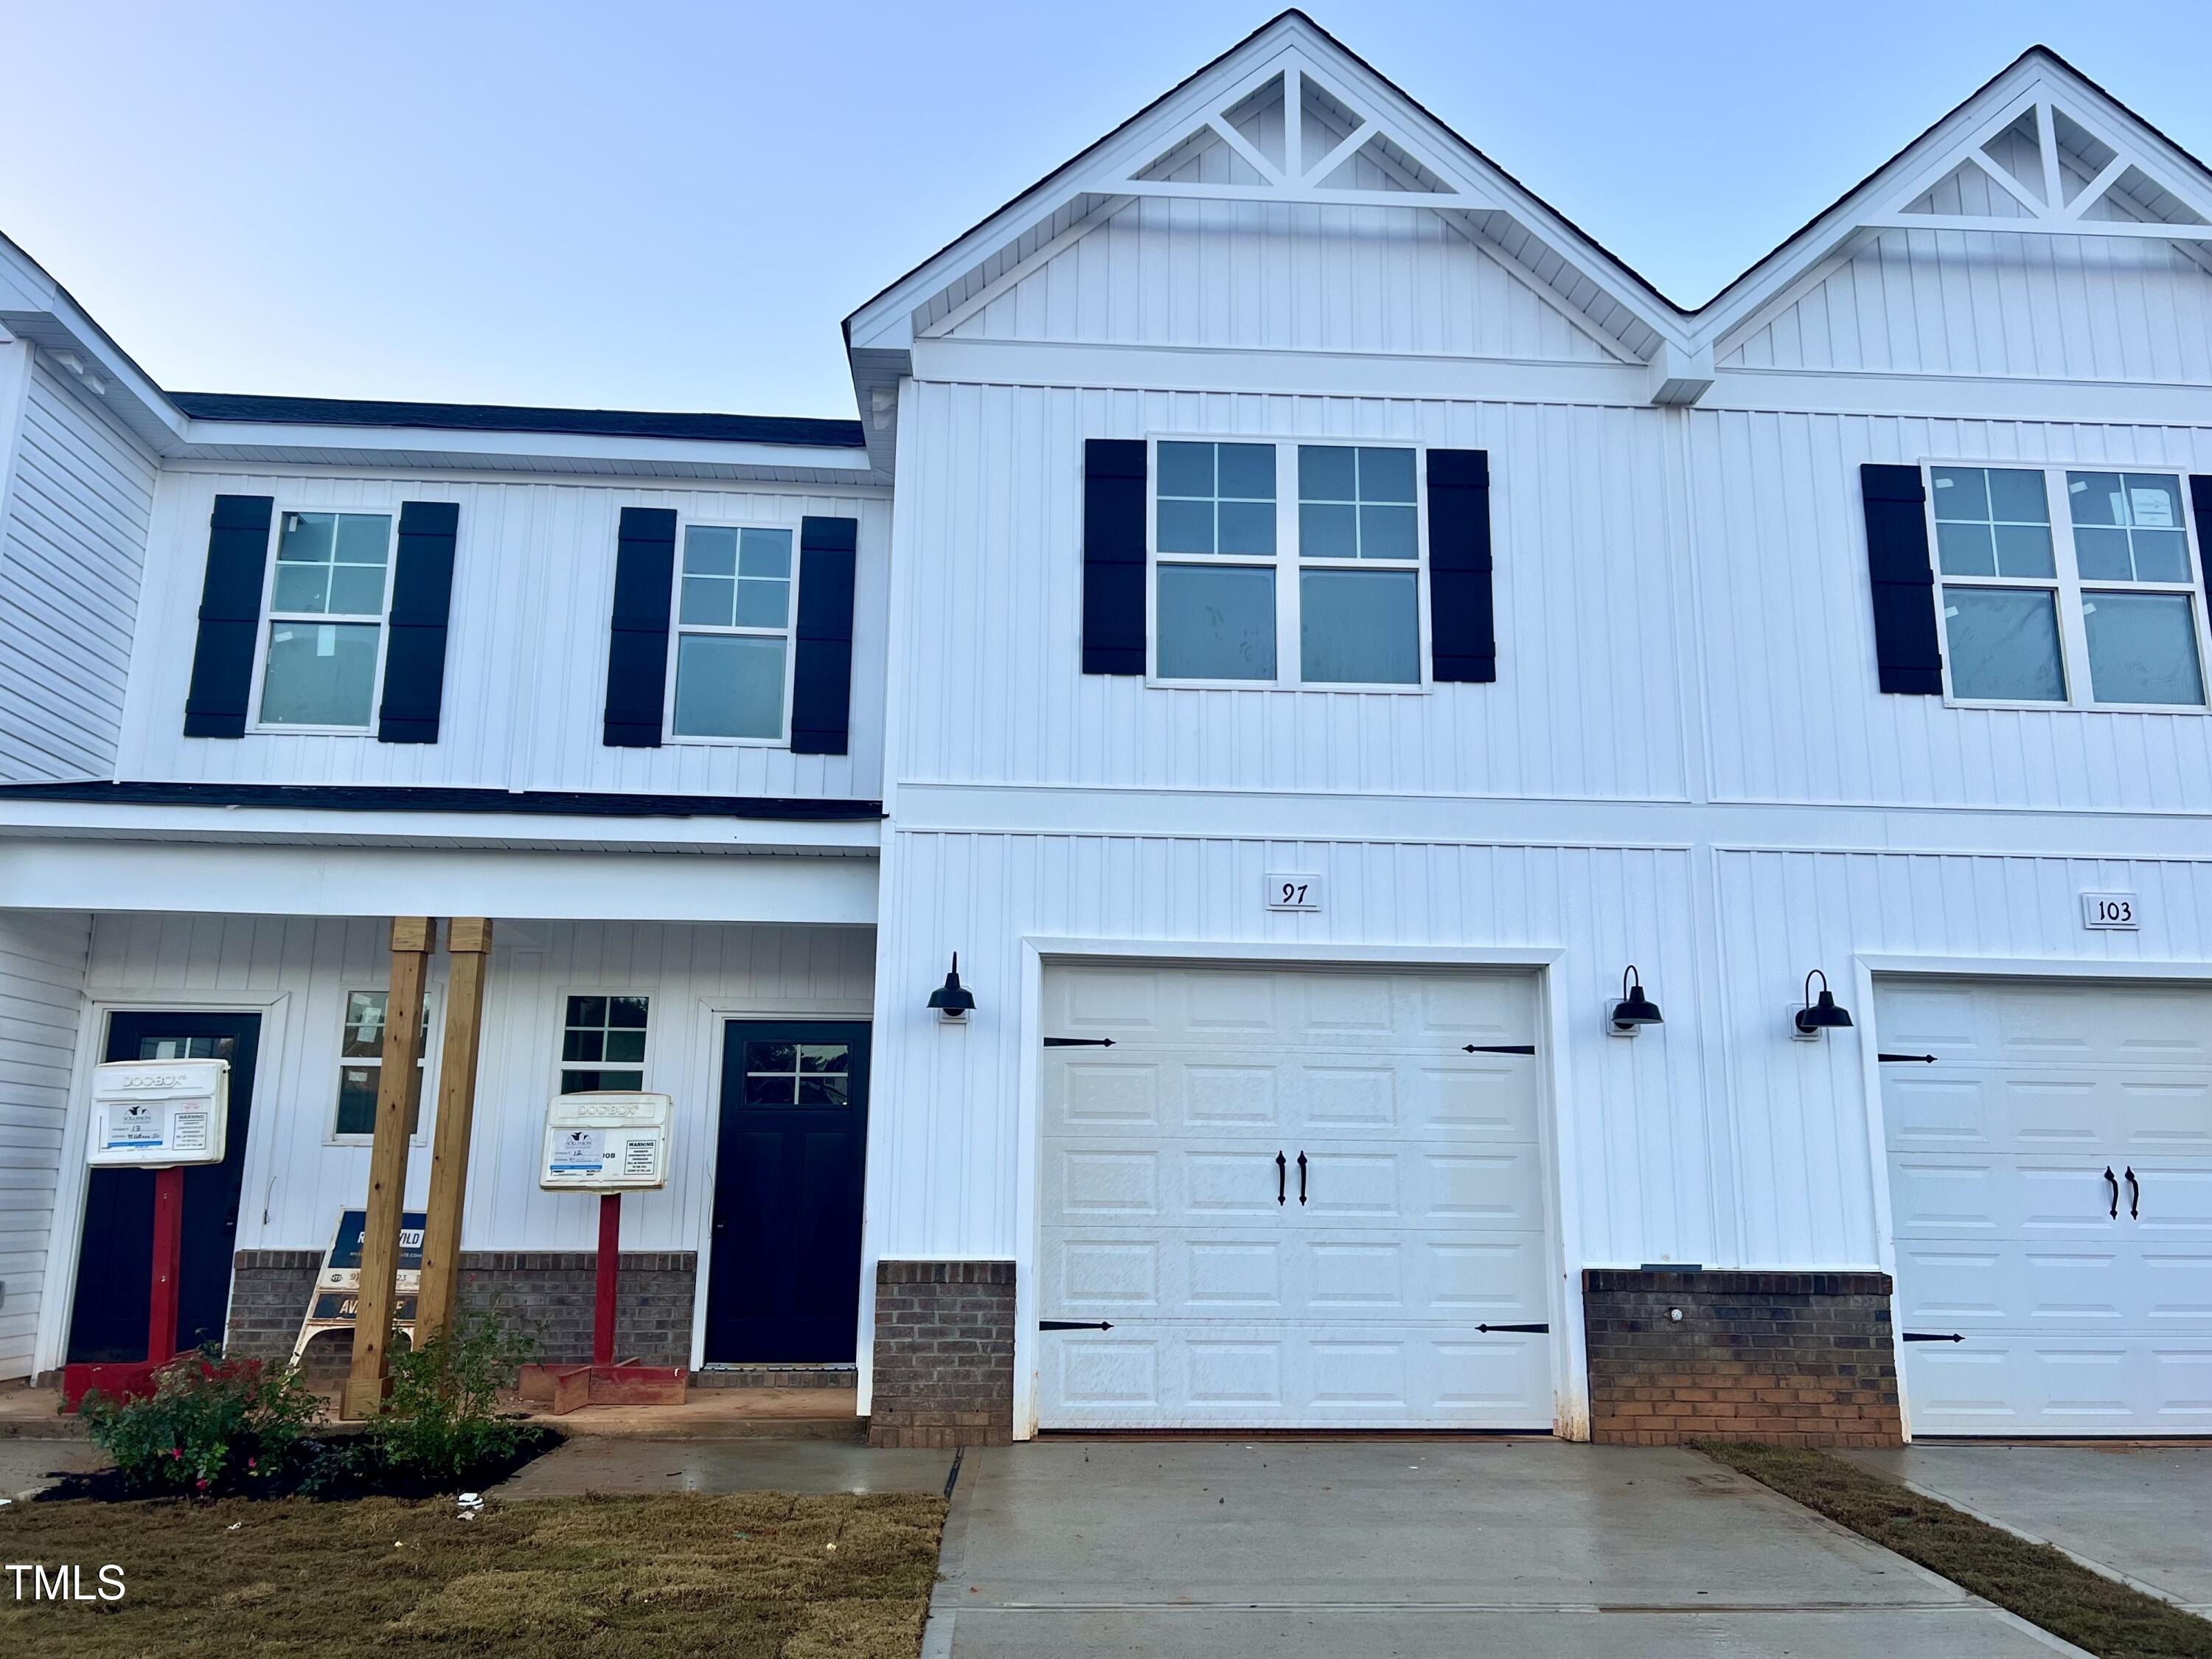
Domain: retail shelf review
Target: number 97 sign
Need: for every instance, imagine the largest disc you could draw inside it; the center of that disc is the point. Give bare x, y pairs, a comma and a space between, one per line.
1292, 892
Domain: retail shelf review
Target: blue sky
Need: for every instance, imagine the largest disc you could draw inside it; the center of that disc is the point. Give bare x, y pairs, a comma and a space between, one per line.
672, 205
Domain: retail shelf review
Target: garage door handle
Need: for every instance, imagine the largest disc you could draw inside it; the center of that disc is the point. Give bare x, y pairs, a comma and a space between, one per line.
1282, 1170
2135, 1193
1302, 1177
2116, 1191
1933, 1336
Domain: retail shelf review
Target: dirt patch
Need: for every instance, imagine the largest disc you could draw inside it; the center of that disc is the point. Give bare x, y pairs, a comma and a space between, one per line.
760, 1574
2040, 1584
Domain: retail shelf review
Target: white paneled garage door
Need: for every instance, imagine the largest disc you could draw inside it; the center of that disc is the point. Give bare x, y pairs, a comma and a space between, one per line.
1243, 1293
2051, 1191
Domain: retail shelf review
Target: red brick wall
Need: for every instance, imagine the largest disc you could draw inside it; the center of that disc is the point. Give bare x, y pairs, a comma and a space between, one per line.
944, 1354
1795, 1360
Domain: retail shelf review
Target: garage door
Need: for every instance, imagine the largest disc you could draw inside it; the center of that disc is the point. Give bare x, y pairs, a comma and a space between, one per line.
1296, 1198
2050, 1190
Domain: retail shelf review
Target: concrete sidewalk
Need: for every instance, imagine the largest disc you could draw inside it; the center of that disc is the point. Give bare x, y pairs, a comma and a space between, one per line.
2137, 1513
1302, 1550
630, 1466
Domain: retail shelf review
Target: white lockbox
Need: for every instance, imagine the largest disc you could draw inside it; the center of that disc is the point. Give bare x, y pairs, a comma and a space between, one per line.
154, 1114
607, 1141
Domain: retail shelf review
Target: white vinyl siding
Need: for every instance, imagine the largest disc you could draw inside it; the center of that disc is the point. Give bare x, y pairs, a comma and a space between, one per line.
72, 550
527, 649
42, 971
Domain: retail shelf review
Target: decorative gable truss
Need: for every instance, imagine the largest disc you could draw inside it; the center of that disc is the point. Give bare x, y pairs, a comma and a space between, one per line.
2039, 151
2047, 164
1288, 117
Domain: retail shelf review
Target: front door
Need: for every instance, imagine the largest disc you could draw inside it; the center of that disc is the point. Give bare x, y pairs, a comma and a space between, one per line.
784, 1279
115, 1262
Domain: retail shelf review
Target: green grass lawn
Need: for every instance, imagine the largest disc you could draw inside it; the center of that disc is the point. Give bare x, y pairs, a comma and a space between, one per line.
2040, 1584
760, 1574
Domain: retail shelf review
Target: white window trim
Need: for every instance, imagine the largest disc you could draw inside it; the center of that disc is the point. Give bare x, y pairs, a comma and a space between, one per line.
676, 628
269, 619
561, 1068
2068, 586
425, 1112
1287, 562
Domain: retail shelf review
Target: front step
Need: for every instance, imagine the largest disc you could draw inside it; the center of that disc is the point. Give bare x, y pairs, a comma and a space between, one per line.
776, 1376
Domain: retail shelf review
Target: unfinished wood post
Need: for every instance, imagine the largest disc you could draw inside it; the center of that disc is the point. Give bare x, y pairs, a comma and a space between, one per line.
468, 943
398, 1085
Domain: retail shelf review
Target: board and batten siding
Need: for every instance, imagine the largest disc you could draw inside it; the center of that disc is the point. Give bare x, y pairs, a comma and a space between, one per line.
1587, 702
526, 654
42, 975
1991, 302
1278, 277
77, 502
1789, 686
1714, 1137
947, 1164
296, 1181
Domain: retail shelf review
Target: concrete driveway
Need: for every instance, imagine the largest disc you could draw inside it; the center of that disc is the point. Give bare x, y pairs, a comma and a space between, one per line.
1535, 1548
2134, 1513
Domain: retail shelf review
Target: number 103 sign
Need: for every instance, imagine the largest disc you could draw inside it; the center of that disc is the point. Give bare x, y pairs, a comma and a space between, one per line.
1287, 892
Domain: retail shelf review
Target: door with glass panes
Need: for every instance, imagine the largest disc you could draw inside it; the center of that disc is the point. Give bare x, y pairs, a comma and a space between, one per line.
784, 1273
115, 1261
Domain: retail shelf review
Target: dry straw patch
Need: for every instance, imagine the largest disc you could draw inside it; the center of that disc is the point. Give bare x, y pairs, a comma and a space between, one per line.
759, 1575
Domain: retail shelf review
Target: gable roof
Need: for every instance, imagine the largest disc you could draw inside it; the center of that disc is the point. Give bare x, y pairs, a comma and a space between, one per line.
1411, 160
2039, 149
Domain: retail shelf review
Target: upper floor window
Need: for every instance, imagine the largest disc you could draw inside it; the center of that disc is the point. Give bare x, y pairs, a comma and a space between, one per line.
329, 591
1251, 575
734, 603
2097, 607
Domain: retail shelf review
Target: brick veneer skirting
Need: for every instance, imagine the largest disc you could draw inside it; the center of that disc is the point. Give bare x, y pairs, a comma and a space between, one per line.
545, 1294
944, 1354
1798, 1359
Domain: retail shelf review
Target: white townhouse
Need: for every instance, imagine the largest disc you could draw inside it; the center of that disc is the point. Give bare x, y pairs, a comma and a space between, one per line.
1525, 858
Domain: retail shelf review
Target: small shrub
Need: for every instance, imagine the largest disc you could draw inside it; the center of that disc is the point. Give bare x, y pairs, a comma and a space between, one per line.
442, 1422
212, 1427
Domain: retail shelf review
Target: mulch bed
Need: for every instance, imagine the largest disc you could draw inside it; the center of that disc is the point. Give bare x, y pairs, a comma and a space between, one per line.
756, 1576
2041, 1585
335, 1467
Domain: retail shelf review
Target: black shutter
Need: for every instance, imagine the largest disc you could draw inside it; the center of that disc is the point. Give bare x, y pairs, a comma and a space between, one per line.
230, 617
1114, 555
1905, 648
421, 597
822, 678
2199, 504
637, 642
1462, 613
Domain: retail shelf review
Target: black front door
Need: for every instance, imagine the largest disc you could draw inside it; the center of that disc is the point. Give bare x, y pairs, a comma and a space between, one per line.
115, 1263
784, 1277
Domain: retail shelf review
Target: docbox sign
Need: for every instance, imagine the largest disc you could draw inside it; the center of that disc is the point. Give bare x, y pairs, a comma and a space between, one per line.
610, 1141
156, 1113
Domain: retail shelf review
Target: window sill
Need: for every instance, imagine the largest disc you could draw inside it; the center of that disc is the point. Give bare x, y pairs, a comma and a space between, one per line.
261, 730
1152, 681
2197, 709
672, 741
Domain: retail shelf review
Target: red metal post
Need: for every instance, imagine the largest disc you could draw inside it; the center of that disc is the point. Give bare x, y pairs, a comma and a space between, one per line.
603, 1311
168, 1258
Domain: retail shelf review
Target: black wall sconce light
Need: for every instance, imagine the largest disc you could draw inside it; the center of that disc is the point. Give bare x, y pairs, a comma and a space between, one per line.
952, 1000
1634, 1011
1815, 1019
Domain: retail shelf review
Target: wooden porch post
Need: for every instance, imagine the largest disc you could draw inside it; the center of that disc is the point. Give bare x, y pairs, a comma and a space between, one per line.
468, 940
398, 1085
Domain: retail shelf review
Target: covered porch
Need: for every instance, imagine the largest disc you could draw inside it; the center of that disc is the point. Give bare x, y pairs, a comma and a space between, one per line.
737, 980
